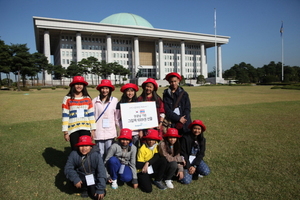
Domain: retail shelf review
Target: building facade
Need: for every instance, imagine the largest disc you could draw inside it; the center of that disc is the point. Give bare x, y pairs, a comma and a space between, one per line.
129, 40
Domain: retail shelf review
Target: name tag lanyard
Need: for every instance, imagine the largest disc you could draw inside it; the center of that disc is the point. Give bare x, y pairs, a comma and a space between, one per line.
104, 110
88, 175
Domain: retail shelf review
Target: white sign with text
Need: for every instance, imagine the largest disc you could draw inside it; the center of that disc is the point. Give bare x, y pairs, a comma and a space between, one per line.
139, 115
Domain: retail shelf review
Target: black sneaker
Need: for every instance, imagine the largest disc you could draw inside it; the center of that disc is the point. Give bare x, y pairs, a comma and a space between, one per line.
84, 194
160, 185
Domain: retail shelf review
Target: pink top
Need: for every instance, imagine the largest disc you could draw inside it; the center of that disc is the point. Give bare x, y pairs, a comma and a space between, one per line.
106, 124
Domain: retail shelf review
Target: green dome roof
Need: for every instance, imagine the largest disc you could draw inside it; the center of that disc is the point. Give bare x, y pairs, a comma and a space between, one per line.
126, 19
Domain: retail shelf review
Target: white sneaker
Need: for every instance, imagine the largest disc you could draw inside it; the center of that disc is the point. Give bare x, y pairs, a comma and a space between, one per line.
114, 184
169, 184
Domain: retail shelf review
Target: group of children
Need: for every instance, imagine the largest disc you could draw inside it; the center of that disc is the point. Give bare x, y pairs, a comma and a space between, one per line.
141, 157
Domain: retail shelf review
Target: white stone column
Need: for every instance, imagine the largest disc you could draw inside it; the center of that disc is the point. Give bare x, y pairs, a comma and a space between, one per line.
161, 59
203, 61
182, 61
136, 55
108, 49
219, 61
47, 53
78, 47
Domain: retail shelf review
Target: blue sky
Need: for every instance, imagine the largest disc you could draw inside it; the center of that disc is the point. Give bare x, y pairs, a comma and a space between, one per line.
252, 25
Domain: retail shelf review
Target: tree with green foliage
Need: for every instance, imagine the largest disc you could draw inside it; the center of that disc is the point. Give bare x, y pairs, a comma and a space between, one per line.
105, 69
119, 70
182, 82
74, 70
5, 60
90, 65
96, 69
22, 62
59, 72
200, 79
6, 82
41, 62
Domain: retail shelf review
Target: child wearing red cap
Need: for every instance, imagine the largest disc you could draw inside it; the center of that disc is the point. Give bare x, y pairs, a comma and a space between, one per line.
77, 112
85, 169
177, 104
193, 146
149, 93
129, 91
105, 115
170, 149
148, 156
120, 160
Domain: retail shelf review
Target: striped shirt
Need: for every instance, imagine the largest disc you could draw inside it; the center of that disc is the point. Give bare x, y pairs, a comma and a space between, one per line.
77, 114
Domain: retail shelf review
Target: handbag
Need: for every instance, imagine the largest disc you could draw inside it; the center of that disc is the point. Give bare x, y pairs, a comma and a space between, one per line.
167, 122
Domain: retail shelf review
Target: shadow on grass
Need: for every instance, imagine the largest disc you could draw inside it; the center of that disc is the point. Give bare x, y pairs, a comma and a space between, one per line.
56, 158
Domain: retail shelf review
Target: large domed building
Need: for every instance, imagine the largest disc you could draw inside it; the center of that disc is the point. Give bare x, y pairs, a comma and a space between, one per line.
126, 19
129, 40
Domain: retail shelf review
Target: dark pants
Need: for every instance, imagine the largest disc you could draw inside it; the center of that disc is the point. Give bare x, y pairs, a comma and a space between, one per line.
171, 169
145, 179
90, 189
74, 137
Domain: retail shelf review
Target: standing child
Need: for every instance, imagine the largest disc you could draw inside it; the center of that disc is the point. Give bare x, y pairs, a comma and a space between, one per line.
77, 112
105, 115
149, 94
148, 156
129, 95
86, 170
120, 160
193, 151
170, 149
177, 104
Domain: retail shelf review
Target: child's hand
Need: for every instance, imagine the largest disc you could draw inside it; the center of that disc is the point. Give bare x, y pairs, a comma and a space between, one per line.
192, 170
145, 168
78, 185
180, 175
99, 196
66, 136
92, 134
182, 119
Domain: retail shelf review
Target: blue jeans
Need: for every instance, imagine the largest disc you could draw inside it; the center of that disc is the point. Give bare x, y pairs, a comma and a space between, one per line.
113, 167
201, 169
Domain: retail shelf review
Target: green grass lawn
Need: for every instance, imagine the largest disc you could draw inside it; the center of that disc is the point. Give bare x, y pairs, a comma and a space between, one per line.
253, 145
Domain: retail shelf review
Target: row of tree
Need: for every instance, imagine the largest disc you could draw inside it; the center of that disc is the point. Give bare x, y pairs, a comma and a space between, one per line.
16, 59
246, 73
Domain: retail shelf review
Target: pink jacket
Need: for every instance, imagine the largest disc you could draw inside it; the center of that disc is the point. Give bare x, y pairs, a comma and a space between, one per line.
106, 124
